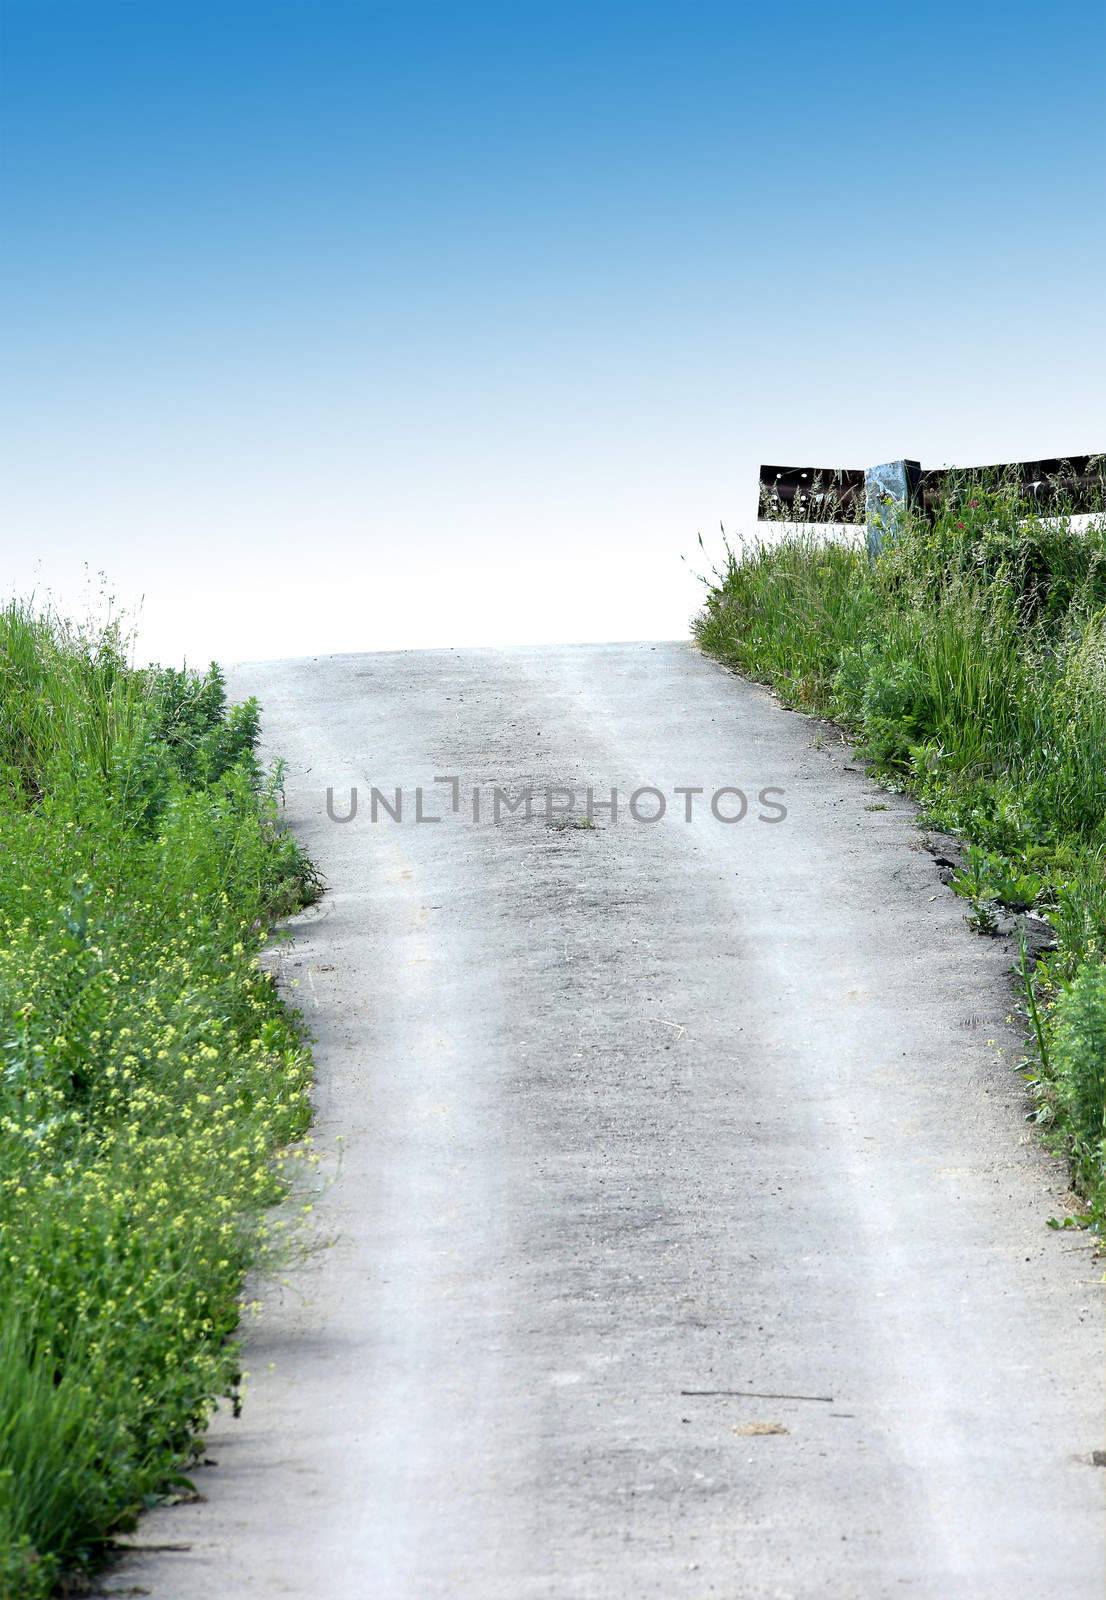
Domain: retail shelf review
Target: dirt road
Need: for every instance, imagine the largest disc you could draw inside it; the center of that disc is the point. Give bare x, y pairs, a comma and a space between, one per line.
689, 1239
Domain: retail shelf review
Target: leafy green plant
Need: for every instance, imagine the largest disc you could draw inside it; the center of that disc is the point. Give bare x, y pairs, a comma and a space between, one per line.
1077, 1063
153, 1088
983, 917
968, 662
987, 875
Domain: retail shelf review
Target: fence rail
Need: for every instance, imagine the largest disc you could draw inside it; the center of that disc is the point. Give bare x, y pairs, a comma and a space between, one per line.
837, 494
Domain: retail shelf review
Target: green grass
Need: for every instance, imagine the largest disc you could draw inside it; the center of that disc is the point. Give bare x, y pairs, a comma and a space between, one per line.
969, 661
152, 1086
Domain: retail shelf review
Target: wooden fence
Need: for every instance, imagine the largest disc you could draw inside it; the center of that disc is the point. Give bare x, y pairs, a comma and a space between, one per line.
1076, 484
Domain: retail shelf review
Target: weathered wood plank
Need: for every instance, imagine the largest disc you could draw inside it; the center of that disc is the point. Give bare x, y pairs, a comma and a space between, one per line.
822, 494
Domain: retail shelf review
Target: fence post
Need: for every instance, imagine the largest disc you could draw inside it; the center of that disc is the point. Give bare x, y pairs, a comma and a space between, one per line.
888, 490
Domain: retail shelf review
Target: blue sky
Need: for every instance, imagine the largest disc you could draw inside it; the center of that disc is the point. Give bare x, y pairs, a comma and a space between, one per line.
352, 326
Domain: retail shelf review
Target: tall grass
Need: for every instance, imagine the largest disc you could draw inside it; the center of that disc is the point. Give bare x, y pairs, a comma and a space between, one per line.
151, 1082
969, 661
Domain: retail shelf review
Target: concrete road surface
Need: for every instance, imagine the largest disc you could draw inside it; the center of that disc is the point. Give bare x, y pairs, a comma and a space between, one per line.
689, 1239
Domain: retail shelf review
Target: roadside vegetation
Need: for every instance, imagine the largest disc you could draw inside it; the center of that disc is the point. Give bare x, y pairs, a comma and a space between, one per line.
968, 660
152, 1085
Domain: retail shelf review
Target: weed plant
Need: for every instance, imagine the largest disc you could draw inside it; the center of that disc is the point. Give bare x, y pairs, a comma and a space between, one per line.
968, 659
151, 1082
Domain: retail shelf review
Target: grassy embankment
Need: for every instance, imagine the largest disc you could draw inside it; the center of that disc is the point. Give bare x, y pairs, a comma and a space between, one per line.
969, 662
151, 1082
